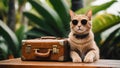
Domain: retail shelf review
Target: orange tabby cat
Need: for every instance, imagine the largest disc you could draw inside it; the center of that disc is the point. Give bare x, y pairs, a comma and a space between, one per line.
81, 38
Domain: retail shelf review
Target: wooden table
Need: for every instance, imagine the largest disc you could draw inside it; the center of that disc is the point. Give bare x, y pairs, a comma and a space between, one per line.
17, 63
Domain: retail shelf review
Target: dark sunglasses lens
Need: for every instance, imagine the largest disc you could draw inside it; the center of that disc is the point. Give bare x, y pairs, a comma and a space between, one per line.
84, 22
74, 22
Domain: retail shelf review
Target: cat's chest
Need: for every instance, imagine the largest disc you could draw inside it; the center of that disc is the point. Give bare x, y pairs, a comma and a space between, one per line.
82, 47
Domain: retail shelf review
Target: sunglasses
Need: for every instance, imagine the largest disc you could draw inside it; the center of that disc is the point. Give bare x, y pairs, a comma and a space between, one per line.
83, 22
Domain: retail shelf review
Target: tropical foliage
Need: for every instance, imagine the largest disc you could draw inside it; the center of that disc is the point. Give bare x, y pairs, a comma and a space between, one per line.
53, 22
110, 48
96, 9
11, 40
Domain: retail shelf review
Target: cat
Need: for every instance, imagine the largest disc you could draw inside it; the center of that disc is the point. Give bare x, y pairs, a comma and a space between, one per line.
81, 38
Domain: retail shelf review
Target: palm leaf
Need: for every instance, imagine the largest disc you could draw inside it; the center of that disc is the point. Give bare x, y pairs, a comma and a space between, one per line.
3, 49
39, 22
10, 37
62, 9
110, 44
37, 32
96, 9
20, 33
48, 13
104, 21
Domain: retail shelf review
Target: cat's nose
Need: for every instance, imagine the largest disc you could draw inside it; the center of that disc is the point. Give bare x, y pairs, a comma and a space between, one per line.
79, 26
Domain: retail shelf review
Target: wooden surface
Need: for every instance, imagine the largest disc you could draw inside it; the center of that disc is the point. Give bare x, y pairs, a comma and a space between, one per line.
17, 63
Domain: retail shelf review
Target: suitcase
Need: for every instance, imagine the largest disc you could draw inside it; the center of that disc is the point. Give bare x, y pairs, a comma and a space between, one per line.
45, 49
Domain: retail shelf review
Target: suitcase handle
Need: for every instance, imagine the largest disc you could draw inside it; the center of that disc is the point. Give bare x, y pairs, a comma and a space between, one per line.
42, 54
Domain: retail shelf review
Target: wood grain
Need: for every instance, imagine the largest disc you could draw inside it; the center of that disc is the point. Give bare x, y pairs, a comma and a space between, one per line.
17, 63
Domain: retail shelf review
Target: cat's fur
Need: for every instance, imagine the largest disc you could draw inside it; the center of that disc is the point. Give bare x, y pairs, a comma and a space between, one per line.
81, 39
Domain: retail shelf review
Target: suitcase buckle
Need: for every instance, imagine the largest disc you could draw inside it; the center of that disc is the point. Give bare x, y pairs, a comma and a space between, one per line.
55, 50
28, 49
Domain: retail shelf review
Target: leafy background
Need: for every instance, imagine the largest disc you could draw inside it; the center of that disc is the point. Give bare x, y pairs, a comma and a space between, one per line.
51, 18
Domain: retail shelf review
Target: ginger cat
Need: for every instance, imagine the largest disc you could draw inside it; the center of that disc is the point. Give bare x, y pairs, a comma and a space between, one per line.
81, 38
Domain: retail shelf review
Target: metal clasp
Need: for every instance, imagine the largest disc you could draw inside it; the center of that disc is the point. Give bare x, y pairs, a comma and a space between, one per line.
28, 49
55, 50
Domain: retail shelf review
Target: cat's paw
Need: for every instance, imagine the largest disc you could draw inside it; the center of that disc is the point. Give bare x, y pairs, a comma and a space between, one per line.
89, 57
77, 60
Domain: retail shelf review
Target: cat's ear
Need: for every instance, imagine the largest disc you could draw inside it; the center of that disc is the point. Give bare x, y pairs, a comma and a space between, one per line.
72, 14
89, 14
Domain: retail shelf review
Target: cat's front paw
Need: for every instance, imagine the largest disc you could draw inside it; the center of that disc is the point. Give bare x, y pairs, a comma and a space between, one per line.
77, 60
89, 57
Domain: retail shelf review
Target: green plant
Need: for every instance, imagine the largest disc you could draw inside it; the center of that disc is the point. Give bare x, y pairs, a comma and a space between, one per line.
3, 9
110, 48
3, 49
54, 20
96, 9
104, 21
10, 39
10, 42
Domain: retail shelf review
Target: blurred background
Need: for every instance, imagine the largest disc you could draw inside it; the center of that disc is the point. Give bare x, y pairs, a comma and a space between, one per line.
28, 19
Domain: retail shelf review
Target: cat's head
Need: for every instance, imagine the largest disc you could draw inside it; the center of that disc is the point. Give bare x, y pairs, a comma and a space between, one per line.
81, 24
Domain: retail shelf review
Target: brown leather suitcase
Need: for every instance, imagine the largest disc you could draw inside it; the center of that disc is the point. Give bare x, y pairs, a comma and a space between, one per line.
45, 48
